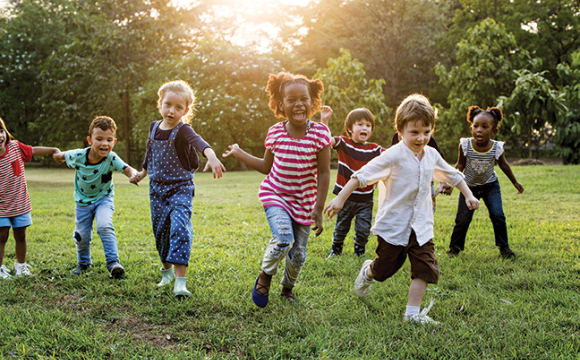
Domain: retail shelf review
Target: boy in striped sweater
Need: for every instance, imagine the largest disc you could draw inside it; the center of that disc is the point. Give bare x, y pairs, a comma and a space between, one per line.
353, 152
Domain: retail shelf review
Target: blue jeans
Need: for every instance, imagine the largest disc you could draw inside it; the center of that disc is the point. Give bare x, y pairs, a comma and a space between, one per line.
84, 215
491, 195
289, 240
363, 211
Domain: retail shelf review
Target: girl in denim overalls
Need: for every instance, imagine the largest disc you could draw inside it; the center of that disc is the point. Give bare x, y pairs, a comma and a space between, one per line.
170, 163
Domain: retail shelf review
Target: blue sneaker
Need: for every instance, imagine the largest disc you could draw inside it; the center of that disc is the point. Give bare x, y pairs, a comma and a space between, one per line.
258, 294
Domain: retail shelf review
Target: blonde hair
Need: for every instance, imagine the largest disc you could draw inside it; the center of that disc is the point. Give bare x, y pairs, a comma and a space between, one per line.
179, 87
415, 107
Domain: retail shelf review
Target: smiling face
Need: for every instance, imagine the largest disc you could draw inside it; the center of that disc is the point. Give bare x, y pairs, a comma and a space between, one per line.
3, 141
172, 107
483, 128
361, 131
416, 135
296, 104
102, 142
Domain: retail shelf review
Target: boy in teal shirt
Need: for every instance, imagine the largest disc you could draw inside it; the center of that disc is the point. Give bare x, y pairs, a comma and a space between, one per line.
94, 193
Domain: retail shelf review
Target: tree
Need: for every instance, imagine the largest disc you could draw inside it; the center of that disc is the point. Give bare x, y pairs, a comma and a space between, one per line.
112, 44
568, 125
398, 40
487, 58
345, 89
532, 107
28, 35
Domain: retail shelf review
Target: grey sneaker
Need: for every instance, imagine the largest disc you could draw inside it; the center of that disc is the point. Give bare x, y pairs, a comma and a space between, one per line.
21, 269
116, 270
4, 272
81, 268
422, 318
362, 286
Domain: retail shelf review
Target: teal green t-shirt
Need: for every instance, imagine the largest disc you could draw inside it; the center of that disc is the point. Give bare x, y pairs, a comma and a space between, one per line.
93, 181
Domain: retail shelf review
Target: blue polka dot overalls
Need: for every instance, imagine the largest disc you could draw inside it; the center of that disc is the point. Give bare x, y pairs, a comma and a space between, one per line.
171, 190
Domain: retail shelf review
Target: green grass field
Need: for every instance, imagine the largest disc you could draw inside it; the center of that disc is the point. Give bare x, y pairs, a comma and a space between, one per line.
490, 308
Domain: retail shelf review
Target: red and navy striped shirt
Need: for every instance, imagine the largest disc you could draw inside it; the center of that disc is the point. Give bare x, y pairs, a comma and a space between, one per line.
292, 181
351, 157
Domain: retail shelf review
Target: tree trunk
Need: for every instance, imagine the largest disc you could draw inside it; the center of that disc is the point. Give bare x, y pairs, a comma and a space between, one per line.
127, 124
530, 143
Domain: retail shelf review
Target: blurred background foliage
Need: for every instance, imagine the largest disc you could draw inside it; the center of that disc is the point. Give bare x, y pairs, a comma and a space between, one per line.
62, 62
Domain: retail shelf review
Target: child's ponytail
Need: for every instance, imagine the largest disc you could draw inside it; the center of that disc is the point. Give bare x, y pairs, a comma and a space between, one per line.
473, 112
277, 83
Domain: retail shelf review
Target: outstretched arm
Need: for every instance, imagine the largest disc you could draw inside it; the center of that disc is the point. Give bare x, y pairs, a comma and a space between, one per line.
334, 206
217, 168
505, 166
323, 175
470, 200
443, 188
325, 114
130, 173
58, 157
262, 165
40, 150
137, 176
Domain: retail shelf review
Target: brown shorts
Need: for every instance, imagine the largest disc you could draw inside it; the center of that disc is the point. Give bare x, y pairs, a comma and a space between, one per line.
390, 258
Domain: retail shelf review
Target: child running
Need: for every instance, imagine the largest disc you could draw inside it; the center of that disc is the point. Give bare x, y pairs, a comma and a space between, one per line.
404, 222
353, 152
477, 157
14, 200
170, 162
297, 165
94, 193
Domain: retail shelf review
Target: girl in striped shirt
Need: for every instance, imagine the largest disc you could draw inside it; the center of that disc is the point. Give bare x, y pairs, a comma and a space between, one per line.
297, 165
14, 200
477, 157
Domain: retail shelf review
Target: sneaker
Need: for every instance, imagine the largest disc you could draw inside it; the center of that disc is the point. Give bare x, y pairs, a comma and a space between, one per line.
21, 269
81, 268
4, 272
422, 318
359, 250
116, 270
506, 252
453, 253
362, 286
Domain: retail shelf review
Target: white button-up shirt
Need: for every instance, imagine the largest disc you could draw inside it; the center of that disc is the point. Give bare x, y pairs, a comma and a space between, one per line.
407, 200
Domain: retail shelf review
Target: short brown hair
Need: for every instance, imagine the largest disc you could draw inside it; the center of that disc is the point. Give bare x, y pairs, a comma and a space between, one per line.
3, 127
415, 107
104, 123
357, 115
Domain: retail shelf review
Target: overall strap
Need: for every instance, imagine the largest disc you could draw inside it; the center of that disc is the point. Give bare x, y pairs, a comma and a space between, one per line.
155, 126
174, 132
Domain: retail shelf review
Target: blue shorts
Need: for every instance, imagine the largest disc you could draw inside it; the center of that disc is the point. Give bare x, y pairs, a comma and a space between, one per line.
15, 222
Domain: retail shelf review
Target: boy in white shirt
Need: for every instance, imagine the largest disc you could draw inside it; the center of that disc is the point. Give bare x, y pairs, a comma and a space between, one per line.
404, 222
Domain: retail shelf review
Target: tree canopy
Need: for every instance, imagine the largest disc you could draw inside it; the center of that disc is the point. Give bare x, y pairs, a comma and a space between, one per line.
65, 61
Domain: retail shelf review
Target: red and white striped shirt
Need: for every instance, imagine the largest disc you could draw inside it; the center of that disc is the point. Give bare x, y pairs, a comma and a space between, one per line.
292, 181
14, 199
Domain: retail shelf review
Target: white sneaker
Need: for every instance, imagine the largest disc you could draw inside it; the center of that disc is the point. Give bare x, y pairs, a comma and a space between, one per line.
4, 272
422, 317
362, 286
22, 269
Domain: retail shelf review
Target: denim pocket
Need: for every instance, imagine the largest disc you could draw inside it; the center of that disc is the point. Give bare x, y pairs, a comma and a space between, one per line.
16, 168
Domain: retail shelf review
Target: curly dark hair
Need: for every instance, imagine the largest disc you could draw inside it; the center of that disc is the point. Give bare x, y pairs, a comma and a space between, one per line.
494, 112
277, 83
